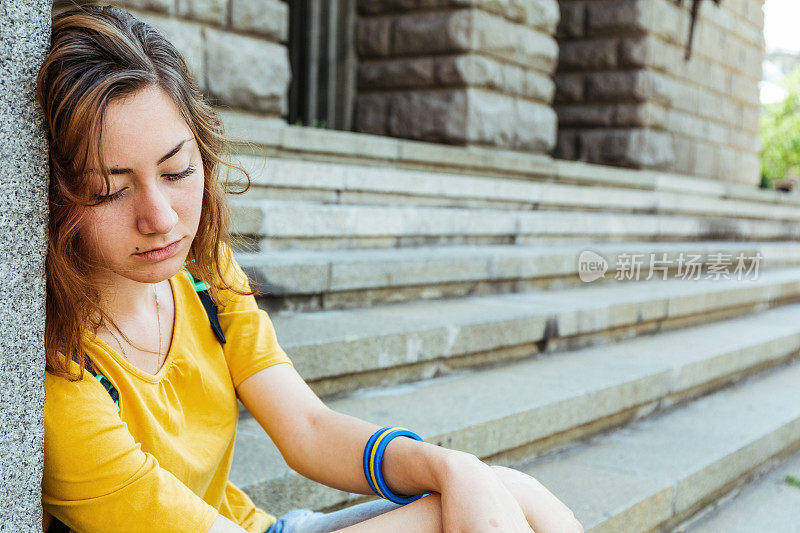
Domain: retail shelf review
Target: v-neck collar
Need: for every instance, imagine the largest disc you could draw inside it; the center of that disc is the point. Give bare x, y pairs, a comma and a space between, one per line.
177, 331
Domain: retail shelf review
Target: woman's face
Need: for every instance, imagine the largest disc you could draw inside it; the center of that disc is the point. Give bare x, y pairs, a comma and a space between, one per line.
156, 190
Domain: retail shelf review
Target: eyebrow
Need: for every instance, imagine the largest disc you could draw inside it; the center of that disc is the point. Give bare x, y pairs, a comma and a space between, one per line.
166, 156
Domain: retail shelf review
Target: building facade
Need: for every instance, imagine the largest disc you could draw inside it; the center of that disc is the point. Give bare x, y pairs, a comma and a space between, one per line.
605, 82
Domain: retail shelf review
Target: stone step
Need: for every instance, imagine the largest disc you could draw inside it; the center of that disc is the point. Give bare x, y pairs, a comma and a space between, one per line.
337, 183
533, 408
652, 476
256, 135
769, 503
272, 224
310, 280
345, 350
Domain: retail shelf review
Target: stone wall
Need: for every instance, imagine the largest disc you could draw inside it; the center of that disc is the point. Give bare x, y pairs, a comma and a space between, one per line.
626, 96
235, 48
468, 72
25, 38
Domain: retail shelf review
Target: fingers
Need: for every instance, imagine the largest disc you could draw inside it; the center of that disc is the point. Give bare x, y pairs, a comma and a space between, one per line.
516, 476
545, 512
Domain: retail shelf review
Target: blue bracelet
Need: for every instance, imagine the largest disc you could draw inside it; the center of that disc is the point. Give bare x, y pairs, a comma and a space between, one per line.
367, 457
373, 462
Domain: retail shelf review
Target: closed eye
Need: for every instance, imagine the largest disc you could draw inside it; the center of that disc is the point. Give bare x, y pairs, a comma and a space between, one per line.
171, 177
181, 175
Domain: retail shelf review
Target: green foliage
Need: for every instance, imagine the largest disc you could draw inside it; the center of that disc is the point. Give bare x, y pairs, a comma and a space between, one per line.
791, 480
780, 134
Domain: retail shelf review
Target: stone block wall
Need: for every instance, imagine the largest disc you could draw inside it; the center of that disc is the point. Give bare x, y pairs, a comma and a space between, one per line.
468, 72
625, 95
235, 48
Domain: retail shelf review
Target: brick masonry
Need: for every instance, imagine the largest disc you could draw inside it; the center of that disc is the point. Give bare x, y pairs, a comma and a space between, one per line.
626, 96
235, 48
467, 72
483, 72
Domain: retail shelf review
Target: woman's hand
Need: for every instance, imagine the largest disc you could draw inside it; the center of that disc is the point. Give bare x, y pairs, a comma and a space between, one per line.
544, 512
478, 497
475, 500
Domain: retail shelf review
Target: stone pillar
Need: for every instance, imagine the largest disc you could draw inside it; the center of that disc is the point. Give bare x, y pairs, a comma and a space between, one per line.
24, 41
468, 72
626, 96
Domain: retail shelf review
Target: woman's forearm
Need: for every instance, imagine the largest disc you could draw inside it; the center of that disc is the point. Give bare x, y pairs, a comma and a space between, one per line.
333, 452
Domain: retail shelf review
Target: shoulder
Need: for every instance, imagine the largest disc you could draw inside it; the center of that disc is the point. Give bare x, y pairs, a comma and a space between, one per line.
65, 399
78, 415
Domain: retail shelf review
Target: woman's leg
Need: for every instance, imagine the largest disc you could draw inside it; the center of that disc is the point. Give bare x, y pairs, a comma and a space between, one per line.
308, 521
420, 516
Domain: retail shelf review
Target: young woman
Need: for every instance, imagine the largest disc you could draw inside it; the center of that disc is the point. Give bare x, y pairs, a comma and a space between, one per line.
137, 238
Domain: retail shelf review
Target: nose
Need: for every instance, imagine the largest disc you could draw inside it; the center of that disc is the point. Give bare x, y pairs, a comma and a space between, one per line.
154, 211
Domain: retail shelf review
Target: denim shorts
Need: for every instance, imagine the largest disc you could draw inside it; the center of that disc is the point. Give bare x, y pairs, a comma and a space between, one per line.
308, 521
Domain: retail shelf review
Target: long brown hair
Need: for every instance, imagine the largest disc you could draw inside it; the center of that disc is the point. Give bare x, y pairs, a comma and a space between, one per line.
97, 55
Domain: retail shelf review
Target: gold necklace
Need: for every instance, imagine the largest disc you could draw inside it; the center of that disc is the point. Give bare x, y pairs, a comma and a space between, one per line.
158, 319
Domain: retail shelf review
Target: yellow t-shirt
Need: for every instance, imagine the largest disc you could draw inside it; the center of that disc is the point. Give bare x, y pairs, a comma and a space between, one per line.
162, 462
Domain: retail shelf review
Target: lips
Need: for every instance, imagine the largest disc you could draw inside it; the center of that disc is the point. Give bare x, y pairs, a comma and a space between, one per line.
160, 254
159, 248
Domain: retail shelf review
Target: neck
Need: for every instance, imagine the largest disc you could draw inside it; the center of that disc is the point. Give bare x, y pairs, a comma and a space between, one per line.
128, 301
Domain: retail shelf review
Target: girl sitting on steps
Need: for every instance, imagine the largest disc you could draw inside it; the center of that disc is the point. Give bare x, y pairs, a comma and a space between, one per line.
152, 330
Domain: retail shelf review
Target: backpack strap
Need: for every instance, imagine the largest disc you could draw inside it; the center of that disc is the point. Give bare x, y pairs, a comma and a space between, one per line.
208, 304
104, 381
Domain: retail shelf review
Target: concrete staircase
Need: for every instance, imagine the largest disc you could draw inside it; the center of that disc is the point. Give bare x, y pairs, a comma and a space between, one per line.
437, 288
770, 503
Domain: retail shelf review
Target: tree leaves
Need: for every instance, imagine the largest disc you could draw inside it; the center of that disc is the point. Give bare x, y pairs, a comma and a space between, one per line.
780, 133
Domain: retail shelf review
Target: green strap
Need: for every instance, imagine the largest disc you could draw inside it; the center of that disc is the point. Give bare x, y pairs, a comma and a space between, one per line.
100, 378
198, 285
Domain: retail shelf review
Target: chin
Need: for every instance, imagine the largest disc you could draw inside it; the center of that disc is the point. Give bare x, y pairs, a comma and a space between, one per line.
160, 271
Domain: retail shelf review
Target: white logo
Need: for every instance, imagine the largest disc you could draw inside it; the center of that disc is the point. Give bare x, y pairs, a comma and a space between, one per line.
591, 266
